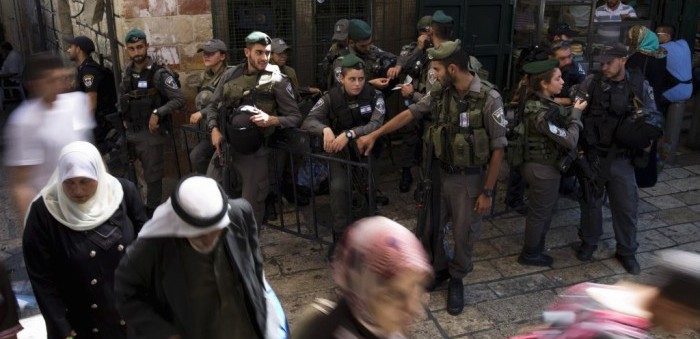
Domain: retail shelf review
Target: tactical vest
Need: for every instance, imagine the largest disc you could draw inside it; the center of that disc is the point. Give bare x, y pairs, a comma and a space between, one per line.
346, 115
207, 88
255, 90
609, 105
142, 101
454, 144
540, 148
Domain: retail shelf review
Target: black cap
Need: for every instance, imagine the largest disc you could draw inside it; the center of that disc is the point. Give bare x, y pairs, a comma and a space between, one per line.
83, 42
561, 28
243, 135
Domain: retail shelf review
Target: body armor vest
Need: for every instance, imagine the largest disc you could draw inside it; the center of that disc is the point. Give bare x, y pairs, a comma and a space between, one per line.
457, 132
142, 101
609, 105
255, 90
540, 148
346, 115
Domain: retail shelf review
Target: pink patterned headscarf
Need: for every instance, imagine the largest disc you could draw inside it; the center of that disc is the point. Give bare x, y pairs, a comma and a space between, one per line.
373, 251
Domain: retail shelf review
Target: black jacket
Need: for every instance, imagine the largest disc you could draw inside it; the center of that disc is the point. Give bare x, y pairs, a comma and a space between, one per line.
72, 273
150, 280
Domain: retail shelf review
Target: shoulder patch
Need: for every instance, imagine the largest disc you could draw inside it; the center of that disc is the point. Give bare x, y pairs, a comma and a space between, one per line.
432, 76
337, 72
556, 130
88, 80
290, 90
494, 94
379, 106
499, 117
170, 82
318, 104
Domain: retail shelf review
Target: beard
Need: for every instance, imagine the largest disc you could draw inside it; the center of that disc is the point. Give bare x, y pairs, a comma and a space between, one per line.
138, 59
446, 80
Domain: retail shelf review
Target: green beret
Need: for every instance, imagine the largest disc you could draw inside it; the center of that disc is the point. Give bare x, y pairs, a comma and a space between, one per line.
359, 30
537, 67
441, 18
445, 50
134, 35
351, 61
258, 37
424, 22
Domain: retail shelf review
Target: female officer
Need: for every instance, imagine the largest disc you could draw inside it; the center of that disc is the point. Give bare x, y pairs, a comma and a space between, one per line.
551, 133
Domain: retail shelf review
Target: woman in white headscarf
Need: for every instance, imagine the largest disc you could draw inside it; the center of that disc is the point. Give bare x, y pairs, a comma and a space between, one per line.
76, 231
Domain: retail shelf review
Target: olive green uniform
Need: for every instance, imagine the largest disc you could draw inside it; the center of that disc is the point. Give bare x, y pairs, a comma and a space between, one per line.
153, 87
549, 135
202, 153
270, 91
457, 173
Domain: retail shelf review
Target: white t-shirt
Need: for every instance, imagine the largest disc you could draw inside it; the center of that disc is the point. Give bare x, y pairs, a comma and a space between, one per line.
606, 14
35, 133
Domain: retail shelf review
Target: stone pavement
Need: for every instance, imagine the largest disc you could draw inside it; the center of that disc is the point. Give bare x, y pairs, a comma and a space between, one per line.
502, 296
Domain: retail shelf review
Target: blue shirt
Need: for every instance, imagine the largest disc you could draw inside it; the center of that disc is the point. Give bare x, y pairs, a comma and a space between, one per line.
678, 63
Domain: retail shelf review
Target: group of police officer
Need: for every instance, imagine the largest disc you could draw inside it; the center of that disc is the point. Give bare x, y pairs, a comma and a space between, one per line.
453, 113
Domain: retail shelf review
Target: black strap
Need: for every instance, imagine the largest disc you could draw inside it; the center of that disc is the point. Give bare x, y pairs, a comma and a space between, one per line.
194, 221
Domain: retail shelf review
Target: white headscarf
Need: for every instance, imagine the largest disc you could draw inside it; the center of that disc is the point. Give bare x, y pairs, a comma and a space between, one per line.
82, 159
199, 197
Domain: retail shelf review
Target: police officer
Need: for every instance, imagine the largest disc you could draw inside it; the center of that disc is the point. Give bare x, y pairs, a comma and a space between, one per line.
616, 95
412, 61
339, 47
551, 136
149, 94
342, 115
571, 71
214, 54
280, 57
98, 82
467, 132
377, 62
259, 84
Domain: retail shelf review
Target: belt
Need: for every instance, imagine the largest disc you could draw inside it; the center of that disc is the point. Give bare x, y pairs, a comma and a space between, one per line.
450, 169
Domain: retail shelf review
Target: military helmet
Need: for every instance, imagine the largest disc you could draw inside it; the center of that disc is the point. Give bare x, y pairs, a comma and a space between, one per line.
243, 135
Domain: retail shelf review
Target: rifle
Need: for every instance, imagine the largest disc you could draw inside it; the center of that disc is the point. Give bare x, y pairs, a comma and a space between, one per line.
586, 171
425, 204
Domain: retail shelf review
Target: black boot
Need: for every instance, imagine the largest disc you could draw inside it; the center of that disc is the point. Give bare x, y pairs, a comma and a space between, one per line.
440, 277
584, 251
406, 180
455, 296
629, 262
534, 257
270, 208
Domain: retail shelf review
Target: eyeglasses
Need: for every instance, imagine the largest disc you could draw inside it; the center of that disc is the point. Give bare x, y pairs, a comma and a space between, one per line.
662, 33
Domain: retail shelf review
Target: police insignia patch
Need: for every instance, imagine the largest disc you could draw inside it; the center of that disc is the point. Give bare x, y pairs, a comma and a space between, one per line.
290, 90
88, 80
318, 104
432, 76
556, 130
380, 106
337, 72
170, 82
499, 117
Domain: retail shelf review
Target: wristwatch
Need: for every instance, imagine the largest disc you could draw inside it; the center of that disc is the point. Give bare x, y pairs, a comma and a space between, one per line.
349, 134
155, 112
487, 192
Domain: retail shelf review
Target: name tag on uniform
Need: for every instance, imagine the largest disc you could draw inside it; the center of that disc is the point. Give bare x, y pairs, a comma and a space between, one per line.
143, 84
365, 110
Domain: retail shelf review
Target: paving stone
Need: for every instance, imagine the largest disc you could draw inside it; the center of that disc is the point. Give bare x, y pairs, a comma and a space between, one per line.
682, 233
510, 225
644, 207
488, 334
647, 221
685, 184
662, 188
483, 271
295, 263
290, 246
509, 267
484, 250
661, 177
690, 197
521, 285
518, 308
678, 172
684, 334
642, 194
613, 279
302, 282
488, 230
646, 260
692, 247
507, 245
295, 304
653, 240
424, 329
663, 202
576, 274
562, 236
693, 169
678, 215
470, 320
564, 257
